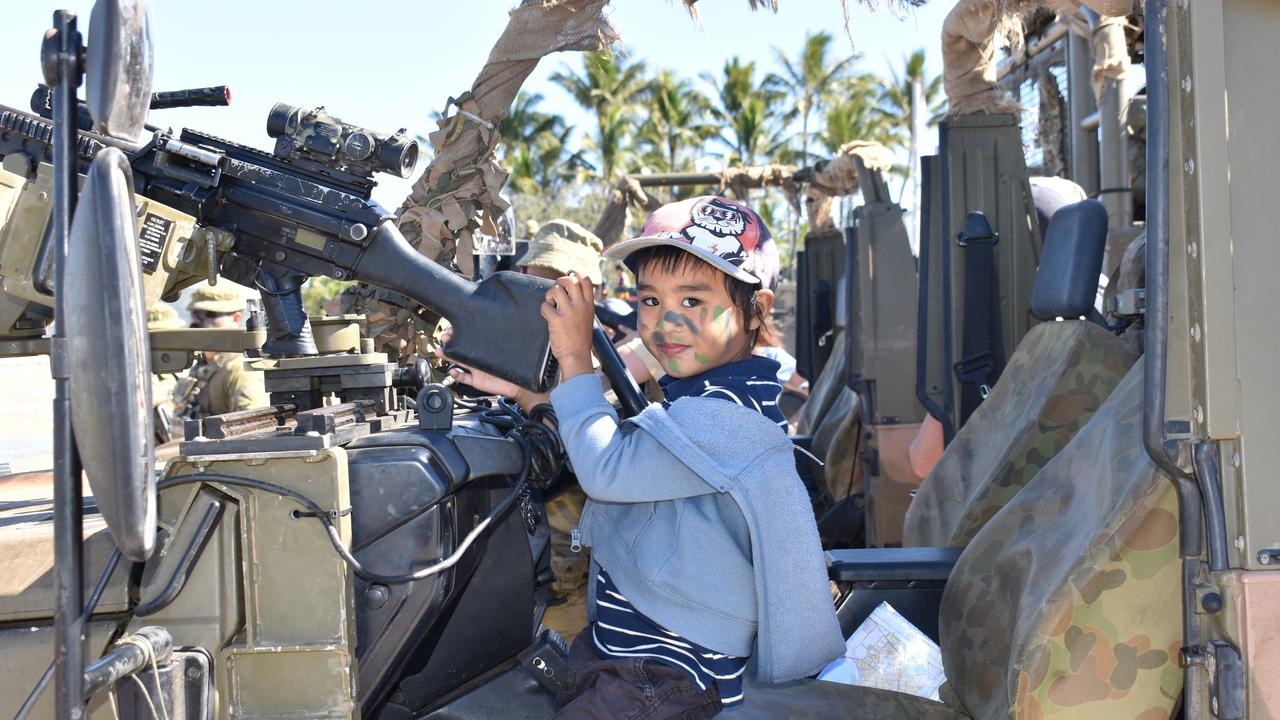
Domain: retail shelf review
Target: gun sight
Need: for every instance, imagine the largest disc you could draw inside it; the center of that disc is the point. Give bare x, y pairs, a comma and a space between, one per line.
314, 135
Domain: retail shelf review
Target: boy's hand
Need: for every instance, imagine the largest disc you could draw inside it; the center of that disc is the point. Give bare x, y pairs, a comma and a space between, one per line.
486, 383
570, 311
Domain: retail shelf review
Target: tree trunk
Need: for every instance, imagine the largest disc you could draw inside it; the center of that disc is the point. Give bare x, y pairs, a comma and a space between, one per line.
804, 162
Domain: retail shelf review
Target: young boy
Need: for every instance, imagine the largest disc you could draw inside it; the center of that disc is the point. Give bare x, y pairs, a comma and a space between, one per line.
704, 548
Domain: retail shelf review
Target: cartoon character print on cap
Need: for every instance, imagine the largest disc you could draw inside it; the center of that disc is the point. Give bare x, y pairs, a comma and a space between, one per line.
717, 225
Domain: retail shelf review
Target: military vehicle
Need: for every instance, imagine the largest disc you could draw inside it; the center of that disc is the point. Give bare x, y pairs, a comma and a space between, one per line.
1087, 545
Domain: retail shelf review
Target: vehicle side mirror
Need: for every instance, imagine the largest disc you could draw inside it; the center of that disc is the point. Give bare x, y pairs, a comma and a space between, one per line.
107, 355
119, 67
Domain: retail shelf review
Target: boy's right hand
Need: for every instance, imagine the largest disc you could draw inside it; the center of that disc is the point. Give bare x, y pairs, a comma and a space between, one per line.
570, 312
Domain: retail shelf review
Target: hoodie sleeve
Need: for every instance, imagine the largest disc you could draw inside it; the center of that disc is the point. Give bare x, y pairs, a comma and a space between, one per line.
616, 463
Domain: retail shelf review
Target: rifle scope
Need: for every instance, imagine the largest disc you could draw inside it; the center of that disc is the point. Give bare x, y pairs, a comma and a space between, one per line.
315, 135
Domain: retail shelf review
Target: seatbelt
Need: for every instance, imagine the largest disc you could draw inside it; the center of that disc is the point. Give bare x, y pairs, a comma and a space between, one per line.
982, 347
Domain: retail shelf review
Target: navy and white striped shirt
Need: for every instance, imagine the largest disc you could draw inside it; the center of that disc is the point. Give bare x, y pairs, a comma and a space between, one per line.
622, 631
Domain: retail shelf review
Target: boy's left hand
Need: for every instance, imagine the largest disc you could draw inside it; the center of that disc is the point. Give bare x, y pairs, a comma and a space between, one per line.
570, 311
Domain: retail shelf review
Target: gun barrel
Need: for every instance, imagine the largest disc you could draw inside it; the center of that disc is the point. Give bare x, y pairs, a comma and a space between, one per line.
205, 97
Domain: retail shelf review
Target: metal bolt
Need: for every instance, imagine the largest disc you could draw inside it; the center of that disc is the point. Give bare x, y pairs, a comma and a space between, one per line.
1186, 84
339, 274
279, 256
1190, 167
1240, 542
43, 196
1235, 459
358, 232
1198, 413
1195, 332
1193, 249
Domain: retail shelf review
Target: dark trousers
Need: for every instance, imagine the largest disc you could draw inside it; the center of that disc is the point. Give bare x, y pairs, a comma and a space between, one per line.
629, 689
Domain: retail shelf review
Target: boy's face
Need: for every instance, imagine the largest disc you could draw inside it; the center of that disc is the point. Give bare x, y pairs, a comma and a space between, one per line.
688, 321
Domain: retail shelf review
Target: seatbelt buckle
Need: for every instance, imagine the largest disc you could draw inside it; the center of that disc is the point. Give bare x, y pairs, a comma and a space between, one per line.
977, 231
976, 370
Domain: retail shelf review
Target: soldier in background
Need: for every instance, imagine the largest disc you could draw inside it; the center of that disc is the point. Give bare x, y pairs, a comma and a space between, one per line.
162, 316
558, 247
222, 384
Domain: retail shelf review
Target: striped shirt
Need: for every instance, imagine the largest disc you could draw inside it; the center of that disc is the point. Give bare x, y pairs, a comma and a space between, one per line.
752, 383
622, 631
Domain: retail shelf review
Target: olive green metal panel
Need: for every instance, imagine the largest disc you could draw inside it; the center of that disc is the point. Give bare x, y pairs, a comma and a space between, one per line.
270, 598
982, 169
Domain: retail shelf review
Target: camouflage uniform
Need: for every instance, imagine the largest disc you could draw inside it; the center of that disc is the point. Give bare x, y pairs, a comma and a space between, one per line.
562, 246
224, 385
162, 316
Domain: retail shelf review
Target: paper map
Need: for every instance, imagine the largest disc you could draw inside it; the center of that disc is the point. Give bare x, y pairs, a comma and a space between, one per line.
888, 652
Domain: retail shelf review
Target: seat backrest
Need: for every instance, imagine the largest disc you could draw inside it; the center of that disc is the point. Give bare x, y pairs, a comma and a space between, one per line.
1055, 380
1067, 604
1066, 283
1059, 376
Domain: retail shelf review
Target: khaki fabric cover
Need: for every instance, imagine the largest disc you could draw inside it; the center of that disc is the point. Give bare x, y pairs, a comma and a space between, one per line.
1059, 376
835, 441
459, 192
832, 416
972, 35
825, 390
1067, 604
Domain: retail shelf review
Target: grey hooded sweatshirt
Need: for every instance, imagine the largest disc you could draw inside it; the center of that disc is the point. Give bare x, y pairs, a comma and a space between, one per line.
698, 515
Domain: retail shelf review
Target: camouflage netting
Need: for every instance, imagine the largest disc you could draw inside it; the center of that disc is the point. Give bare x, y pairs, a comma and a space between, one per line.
839, 176
458, 193
1059, 376
975, 30
1068, 602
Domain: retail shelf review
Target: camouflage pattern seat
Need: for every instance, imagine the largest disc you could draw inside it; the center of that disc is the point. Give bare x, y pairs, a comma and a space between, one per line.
1058, 377
1066, 604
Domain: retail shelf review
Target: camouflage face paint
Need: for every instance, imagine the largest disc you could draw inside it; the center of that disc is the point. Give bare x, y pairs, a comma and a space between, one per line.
702, 359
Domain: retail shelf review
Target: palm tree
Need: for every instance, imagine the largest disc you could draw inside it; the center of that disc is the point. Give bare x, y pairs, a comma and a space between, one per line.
610, 87
908, 96
855, 113
749, 114
525, 123
676, 110
809, 79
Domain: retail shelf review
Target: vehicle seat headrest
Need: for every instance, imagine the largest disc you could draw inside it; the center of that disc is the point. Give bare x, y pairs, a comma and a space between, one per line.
1066, 283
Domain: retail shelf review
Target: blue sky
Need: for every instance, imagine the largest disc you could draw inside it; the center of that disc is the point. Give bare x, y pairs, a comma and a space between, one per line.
387, 65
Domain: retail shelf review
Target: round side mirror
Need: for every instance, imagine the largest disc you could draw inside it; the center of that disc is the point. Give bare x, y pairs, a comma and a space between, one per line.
119, 67
107, 355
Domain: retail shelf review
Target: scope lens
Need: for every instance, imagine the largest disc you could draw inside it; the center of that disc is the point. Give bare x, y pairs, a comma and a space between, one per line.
283, 120
398, 155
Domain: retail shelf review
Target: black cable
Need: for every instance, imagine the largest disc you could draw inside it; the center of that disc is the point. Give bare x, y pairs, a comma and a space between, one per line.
43, 683
332, 532
539, 433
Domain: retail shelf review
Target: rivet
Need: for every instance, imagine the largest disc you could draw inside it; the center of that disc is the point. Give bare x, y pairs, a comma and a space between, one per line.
1235, 459
1195, 332
1240, 542
1186, 84
1193, 249
1198, 413
1189, 166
